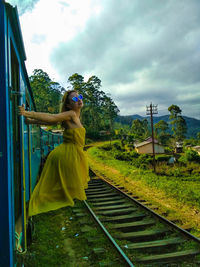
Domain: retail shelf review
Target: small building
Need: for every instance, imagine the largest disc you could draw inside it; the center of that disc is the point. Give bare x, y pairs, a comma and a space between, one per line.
179, 147
145, 147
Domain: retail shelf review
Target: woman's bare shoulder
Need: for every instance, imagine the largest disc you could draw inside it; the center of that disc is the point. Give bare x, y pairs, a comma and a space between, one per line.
70, 113
66, 115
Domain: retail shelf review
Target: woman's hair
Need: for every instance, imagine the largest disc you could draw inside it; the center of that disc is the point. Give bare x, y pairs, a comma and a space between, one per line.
65, 100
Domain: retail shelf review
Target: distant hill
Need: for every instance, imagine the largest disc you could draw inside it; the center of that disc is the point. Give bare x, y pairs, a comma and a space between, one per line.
193, 125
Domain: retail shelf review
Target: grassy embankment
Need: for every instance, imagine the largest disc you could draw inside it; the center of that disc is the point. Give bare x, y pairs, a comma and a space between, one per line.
176, 196
61, 239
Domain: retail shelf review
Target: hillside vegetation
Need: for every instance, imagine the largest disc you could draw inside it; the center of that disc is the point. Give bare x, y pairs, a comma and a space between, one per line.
193, 125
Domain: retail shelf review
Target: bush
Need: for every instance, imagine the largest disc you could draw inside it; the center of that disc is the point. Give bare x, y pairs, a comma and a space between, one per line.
145, 159
190, 156
106, 147
125, 155
161, 158
134, 154
142, 161
175, 172
117, 145
169, 150
192, 168
196, 172
130, 146
121, 155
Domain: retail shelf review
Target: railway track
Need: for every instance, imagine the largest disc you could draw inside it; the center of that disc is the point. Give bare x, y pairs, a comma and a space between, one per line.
141, 236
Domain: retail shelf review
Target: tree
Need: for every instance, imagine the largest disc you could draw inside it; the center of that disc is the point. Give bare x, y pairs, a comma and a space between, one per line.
46, 93
161, 129
99, 109
161, 126
109, 111
77, 82
145, 128
140, 129
181, 129
178, 123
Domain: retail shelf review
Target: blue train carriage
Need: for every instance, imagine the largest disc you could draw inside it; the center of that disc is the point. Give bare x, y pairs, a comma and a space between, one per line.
49, 140
21, 146
16, 138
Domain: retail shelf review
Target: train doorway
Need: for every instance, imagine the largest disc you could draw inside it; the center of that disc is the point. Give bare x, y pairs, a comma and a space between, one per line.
16, 140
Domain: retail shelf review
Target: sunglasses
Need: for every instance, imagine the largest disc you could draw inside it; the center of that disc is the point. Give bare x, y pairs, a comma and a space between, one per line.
76, 98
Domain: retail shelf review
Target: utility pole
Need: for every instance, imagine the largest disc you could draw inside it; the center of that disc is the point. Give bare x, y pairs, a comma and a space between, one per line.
152, 109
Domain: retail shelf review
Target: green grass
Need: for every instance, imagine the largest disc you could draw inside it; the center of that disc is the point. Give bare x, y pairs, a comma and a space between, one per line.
181, 188
61, 240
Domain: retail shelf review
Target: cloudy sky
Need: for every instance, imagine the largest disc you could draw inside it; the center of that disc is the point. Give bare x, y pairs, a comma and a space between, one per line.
142, 50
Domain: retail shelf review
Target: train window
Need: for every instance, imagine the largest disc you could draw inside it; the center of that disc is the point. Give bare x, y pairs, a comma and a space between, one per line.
35, 132
14, 69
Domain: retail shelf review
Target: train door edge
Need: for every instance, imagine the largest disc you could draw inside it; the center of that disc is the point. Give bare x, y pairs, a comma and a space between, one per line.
17, 155
7, 253
22, 100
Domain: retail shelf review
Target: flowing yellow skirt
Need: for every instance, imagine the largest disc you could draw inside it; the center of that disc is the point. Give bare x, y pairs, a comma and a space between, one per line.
63, 179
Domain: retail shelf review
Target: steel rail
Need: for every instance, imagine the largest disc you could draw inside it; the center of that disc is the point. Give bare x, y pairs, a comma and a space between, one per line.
184, 232
121, 252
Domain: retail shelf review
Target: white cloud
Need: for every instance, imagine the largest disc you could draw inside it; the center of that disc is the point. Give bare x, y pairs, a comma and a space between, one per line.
50, 23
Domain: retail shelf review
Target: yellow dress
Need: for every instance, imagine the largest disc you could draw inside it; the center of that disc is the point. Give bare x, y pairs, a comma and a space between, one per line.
64, 176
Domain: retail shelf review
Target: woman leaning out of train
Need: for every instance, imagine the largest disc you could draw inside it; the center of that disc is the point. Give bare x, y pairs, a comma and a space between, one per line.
65, 174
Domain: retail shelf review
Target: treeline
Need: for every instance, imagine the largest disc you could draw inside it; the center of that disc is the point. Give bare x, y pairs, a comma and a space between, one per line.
99, 111
178, 126
141, 129
46, 93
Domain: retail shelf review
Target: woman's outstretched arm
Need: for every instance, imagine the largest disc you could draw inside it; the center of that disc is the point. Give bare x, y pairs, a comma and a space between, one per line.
33, 121
47, 117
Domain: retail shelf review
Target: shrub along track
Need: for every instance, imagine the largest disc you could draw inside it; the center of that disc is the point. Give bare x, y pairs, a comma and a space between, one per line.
144, 237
